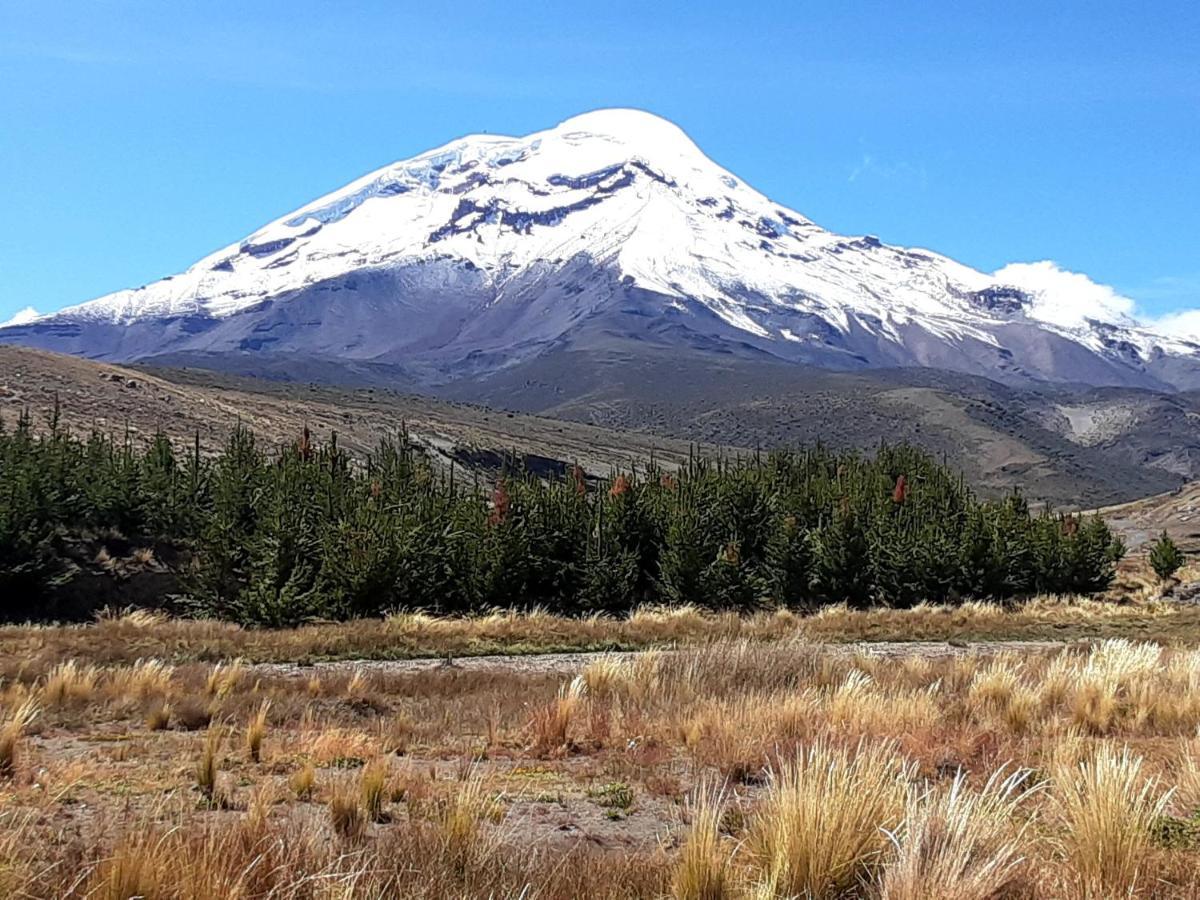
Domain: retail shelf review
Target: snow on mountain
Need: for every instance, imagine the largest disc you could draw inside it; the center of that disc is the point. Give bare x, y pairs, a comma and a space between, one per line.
22, 317
489, 250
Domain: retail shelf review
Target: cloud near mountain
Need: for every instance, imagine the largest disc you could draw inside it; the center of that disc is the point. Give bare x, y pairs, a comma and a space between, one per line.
1071, 298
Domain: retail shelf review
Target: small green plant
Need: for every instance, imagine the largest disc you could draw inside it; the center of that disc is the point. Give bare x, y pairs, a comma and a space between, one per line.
1165, 557
1173, 833
616, 796
303, 781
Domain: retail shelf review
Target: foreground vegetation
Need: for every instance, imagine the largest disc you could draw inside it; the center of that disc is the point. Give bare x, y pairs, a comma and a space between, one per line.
730, 769
277, 539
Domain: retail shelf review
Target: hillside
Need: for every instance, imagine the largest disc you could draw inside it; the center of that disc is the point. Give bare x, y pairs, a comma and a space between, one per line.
1074, 446
1078, 449
1175, 512
184, 404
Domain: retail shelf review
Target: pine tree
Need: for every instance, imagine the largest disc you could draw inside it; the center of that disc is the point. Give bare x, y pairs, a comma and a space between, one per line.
306, 531
1165, 557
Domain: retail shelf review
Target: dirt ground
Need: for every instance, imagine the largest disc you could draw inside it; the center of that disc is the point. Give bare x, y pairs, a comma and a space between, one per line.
574, 663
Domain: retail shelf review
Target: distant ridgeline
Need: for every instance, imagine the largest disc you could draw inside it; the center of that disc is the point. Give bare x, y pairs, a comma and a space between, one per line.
277, 537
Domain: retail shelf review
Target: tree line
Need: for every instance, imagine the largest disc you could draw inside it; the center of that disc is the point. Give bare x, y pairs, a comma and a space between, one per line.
276, 536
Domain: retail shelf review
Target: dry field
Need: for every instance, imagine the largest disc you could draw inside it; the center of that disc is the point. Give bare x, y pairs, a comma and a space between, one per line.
1133, 609
143, 758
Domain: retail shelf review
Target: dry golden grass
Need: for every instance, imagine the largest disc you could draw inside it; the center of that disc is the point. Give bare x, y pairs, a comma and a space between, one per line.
373, 787
550, 724
1109, 807
256, 731
957, 844
223, 678
812, 772
460, 816
821, 829
1132, 610
345, 810
304, 781
145, 678
159, 717
12, 728
208, 768
704, 870
69, 682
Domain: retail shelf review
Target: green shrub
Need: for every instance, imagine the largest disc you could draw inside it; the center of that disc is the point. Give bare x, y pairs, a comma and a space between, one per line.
1165, 557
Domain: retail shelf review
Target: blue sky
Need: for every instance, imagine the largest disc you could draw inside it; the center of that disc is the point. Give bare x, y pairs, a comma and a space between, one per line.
137, 135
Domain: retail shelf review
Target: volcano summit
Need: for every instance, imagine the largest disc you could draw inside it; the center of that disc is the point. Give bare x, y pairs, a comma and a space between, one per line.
613, 226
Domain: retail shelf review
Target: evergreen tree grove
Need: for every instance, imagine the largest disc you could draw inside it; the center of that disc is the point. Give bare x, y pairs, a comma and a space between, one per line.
279, 537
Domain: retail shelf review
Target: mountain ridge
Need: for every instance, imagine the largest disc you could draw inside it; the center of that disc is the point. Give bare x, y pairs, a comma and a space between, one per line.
489, 251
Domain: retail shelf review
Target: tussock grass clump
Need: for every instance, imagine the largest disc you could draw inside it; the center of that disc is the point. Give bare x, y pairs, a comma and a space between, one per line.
858, 707
704, 869
1187, 791
395, 734
129, 618
821, 829
304, 781
994, 686
373, 786
605, 676
159, 717
958, 844
12, 728
336, 746
208, 767
1108, 807
357, 687
460, 815
739, 737
145, 678
224, 678
346, 813
256, 731
20, 873
551, 724
70, 682
139, 866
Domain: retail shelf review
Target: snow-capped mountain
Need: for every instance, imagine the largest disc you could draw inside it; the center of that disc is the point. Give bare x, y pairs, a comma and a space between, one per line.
491, 250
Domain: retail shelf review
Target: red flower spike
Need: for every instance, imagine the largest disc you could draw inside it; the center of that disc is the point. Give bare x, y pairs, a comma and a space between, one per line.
620, 486
500, 504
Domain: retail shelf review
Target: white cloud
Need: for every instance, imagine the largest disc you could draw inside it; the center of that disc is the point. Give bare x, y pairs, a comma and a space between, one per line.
1065, 298
1184, 323
1068, 299
22, 317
